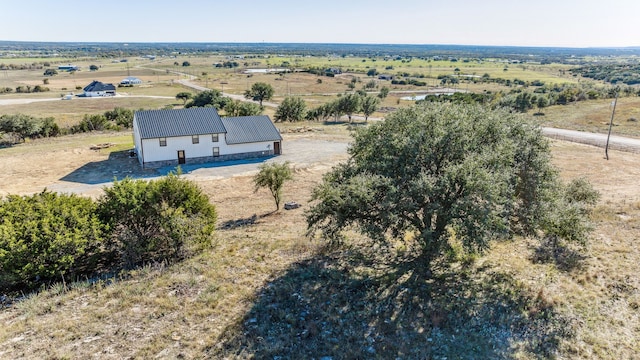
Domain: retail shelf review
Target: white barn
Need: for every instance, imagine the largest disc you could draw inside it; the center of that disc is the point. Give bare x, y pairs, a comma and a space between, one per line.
200, 135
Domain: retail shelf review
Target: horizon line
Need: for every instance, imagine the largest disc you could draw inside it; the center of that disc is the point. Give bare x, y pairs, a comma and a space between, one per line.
318, 43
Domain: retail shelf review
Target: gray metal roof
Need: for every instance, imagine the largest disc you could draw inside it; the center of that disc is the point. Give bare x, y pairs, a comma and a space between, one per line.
181, 122
98, 86
247, 129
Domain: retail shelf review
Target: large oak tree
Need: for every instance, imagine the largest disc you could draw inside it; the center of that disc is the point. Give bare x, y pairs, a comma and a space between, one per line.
438, 173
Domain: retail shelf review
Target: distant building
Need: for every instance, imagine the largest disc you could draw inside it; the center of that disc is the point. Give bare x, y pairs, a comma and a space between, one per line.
68, 67
200, 135
97, 88
131, 80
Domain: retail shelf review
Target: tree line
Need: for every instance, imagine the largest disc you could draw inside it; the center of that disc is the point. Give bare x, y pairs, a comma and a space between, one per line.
19, 127
523, 100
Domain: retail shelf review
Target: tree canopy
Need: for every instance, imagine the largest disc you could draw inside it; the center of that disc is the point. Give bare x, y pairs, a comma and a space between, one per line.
184, 96
438, 173
242, 108
209, 98
272, 176
260, 91
369, 105
291, 109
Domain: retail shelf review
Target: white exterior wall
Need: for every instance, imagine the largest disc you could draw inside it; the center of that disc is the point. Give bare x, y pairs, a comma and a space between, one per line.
97, 93
154, 152
248, 148
136, 140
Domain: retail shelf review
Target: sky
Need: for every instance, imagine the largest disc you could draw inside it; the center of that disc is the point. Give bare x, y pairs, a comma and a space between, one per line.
561, 23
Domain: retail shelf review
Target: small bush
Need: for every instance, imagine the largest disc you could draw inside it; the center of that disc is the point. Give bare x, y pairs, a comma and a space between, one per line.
93, 123
46, 237
162, 220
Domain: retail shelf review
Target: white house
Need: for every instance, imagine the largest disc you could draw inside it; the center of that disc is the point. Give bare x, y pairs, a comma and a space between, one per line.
199, 135
131, 80
97, 88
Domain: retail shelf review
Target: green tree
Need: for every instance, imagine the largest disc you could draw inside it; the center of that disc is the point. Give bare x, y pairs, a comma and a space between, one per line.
209, 98
441, 173
371, 84
93, 67
350, 104
523, 102
542, 102
384, 92
121, 116
242, 108
20, 126
184, 96
291, 109
272, 176
50, 72
369, 106
158, 220
372, 72
260, 91
186, 63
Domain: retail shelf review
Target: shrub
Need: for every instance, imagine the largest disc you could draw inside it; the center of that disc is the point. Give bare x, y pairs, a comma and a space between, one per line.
161, 220
21, 126
120, 116
47, 237
92, 123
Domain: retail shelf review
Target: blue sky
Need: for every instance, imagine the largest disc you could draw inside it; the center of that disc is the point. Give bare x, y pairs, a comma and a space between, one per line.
570, 23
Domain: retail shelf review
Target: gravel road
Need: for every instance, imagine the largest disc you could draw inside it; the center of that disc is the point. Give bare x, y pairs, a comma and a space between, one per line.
599, 140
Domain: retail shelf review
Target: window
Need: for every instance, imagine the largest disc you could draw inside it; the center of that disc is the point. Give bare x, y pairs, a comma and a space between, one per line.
214, 138
163, 141
216, 151
195, 139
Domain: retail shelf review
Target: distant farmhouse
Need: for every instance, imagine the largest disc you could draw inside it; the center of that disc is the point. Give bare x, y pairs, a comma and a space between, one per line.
97, 88
131, 80
68, 67
200, 135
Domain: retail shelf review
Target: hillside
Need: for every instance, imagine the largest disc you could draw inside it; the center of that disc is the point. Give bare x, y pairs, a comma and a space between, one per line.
267, 291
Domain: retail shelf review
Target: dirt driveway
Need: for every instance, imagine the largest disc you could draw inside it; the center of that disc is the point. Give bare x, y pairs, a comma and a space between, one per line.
77, 169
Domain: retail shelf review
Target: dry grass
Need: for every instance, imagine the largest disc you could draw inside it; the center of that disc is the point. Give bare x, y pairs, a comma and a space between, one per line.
265, 290
70, 112
595, 115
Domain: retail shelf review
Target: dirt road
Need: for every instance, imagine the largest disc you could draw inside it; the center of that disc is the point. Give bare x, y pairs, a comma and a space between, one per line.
599, 140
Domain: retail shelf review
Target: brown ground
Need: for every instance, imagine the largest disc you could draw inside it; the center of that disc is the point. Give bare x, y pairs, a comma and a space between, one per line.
195, 307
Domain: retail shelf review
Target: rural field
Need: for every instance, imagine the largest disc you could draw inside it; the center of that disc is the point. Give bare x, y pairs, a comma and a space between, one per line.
265, 289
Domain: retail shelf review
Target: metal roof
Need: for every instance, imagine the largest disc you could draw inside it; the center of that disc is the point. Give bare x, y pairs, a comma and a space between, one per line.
247, 129
98, 86
180, 122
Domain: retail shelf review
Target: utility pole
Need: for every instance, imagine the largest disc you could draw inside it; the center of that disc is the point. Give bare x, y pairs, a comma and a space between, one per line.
606, 148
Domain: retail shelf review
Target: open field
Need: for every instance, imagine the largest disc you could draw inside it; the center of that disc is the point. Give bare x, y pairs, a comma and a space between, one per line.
159, 78
265, 290
595, 115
